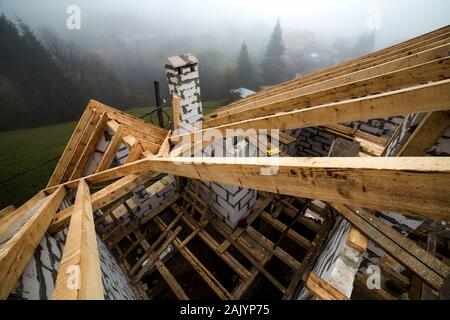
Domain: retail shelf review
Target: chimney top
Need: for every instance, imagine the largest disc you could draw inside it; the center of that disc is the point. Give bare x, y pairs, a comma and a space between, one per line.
181, 60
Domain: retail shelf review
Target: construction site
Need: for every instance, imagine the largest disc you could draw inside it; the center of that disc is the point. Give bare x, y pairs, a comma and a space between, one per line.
331, 186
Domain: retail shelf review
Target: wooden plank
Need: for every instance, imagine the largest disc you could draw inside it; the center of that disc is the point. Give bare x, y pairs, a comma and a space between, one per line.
248, 255
430, 129
149, 146
18, 250
176, 112
171, 281
276, 251
413, 262
135, 167
407, 244
134, 153
111, 150
421, 98
322, 289
130, 141
6, 211
357, 241
16, 215
203, 272
354, 180
317, 76
260, 206
89, 130
311, 256
150, 252
70, 147
102, 198
280, 226
80, 260
113, 126
214, 245
154, 256
165, 146
430, 71
90, 148
423, 55
427, 292
380, 294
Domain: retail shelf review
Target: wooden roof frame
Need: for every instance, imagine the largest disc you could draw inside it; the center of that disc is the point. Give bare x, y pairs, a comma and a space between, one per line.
406, 78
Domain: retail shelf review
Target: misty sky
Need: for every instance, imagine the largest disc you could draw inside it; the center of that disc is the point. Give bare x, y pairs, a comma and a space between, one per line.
399, 19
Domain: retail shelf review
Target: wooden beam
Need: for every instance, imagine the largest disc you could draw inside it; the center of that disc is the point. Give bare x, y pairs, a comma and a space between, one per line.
9, 220
427, 267
153, 256
102, 198
176, 112
356, 181
17, 250
171, 281
421, 98
6, 211
322, 289
79, 275
89, 130
90, 148
136, 167
165, 146
70, 147
202, 271
302, 98
309, 84
134, 153
215, 246
357, 241
430, 129
111, 150
280, 226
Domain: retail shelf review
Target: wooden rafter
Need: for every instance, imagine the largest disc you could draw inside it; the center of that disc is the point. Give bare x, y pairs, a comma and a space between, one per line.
79, 275
19, 242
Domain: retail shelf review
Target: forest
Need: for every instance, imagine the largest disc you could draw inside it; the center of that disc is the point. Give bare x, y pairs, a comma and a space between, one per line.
47, 79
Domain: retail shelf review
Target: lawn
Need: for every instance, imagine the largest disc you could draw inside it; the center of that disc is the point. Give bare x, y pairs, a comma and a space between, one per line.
25, 149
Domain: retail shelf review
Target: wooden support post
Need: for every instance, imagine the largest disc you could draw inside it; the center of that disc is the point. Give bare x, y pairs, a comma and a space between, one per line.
176, 112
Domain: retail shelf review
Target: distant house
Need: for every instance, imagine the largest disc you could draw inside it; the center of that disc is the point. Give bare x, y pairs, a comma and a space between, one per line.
240, 93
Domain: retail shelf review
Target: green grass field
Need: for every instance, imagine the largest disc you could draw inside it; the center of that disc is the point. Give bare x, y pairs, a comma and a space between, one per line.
24, 149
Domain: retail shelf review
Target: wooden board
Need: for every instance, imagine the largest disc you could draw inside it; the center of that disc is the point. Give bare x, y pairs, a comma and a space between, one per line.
17, 252
79, 276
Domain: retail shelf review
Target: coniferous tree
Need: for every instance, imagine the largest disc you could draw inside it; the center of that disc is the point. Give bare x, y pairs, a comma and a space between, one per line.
33, 92
245, 68
273, 64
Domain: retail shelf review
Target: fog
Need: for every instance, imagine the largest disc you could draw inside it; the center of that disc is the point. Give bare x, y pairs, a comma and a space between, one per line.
399, 19
134, 37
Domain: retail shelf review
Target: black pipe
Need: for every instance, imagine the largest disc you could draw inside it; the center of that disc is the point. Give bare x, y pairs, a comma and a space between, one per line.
158, 104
